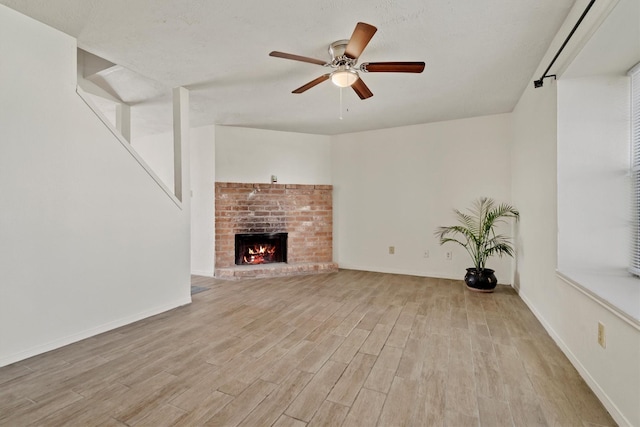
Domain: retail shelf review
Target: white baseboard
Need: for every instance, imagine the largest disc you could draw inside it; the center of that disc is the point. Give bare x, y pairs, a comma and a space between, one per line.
202, 273
70, 339
584, 373
406, 272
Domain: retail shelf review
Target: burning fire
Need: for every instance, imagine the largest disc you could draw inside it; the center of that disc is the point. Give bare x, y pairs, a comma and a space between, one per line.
259, 254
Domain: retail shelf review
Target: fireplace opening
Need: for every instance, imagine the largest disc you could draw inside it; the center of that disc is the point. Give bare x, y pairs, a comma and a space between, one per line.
261, 248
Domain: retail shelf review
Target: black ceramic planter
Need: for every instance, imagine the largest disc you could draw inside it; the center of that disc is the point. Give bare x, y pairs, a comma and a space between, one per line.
481, 280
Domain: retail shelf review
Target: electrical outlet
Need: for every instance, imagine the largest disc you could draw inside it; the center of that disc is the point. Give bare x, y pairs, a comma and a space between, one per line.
449, 256
426, 254
602, 338
392, 250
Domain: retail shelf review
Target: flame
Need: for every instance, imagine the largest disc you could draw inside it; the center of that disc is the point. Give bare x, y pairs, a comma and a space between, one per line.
259, 254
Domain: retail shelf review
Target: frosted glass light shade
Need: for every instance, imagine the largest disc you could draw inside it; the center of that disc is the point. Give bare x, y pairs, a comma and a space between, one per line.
344, 78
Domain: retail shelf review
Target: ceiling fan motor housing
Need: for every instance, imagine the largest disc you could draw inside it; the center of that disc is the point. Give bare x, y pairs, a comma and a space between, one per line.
338, 58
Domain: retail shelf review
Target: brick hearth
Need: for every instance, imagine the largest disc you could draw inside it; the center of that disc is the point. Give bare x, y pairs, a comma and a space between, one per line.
303, 211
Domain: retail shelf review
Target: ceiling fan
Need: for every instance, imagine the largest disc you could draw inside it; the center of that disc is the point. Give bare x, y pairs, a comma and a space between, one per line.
344, 57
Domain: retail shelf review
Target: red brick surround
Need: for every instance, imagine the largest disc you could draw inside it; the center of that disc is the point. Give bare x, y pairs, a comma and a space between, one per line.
303, 211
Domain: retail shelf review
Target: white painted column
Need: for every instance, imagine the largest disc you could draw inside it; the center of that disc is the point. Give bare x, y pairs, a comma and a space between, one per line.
181, 142
123, 120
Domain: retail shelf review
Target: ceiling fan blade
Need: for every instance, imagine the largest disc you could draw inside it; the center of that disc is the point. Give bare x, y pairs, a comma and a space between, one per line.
296, 57
359, 39
312, 83
392, 67
362, 89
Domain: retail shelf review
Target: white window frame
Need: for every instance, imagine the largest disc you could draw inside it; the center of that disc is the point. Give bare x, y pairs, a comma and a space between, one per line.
634, 74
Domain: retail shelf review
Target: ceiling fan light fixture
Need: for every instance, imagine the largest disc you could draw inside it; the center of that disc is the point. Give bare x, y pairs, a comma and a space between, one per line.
344, 57
344, 77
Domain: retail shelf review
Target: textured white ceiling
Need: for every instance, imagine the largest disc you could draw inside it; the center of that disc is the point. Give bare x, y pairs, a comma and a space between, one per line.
479, 54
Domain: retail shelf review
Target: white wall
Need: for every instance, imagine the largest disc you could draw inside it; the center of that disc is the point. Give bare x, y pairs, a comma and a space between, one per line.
253, 155
202, 200
88, 239
568, 313
393, 187
157, 152
593, 172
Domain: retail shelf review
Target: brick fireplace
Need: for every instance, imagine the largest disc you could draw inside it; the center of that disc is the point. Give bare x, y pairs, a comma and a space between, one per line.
305, 212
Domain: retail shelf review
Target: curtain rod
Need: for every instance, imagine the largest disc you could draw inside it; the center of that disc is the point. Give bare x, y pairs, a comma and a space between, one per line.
538, 83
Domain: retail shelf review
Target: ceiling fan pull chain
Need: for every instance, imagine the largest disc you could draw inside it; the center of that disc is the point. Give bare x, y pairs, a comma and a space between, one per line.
340, 115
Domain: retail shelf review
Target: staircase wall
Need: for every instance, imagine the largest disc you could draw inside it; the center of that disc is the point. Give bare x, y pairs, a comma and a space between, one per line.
88, 239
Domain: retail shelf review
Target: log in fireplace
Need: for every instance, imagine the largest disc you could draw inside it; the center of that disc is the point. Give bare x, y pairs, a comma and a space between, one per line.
260, 248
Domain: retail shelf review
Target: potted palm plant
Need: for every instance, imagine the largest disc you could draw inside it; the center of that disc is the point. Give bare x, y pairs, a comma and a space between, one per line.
476, 233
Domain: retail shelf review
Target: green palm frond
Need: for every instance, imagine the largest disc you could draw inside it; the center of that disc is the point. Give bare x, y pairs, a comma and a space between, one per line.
469, 222
476, 230
443, 232
500, 213
500, 250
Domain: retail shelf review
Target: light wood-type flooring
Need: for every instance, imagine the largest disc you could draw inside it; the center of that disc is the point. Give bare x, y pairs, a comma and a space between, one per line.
345, 349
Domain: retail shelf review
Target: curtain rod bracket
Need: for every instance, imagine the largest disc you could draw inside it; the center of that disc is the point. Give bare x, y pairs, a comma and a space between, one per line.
538, 83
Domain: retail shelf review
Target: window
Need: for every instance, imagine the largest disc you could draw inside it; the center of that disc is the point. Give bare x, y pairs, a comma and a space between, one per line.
635, 168
597, 235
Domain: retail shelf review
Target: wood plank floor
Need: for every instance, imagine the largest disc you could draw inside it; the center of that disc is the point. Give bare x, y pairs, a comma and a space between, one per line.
345, 349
